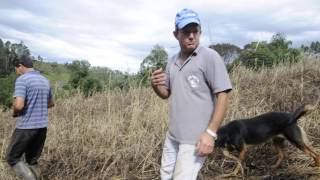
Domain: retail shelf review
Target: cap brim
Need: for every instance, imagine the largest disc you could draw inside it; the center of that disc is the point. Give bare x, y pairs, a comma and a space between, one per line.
188, 21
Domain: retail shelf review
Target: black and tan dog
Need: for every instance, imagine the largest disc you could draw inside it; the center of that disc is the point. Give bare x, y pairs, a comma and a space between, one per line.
240, 134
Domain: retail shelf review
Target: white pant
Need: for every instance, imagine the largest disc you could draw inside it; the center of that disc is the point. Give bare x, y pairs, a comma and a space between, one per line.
179, 161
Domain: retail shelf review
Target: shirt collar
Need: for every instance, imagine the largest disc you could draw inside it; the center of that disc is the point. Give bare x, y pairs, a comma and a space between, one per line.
33, 71
194, 53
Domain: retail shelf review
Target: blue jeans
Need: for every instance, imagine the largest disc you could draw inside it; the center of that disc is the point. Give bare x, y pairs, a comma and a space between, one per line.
179, 161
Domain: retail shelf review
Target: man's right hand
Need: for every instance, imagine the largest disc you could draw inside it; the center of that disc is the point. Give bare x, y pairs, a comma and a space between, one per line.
158, 82
158, 78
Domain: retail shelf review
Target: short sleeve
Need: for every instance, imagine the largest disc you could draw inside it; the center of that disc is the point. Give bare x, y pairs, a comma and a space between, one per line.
20, 89
216, 73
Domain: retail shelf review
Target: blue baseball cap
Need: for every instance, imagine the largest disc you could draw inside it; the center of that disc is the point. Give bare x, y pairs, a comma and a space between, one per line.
185, 17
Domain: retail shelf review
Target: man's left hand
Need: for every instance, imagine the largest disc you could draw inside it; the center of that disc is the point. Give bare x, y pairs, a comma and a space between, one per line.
205, 144
15, 114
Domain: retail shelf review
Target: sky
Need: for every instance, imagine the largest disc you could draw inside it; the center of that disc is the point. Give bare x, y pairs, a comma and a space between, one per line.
120, 34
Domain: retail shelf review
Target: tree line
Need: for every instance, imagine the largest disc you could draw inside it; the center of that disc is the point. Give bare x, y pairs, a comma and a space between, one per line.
80, 76
67, 79
253, 55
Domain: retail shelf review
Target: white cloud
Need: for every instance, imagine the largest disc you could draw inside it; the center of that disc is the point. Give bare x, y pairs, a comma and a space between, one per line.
119, 34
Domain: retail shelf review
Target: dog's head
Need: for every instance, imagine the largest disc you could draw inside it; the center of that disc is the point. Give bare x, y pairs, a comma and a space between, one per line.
223, 138
227, 136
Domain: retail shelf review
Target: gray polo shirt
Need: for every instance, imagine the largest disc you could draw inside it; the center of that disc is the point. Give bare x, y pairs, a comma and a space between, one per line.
193, 85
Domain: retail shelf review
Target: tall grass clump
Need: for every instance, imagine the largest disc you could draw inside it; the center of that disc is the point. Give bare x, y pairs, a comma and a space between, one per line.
118, 134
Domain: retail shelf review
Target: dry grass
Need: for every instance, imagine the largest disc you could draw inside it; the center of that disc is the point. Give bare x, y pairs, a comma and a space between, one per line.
119, 135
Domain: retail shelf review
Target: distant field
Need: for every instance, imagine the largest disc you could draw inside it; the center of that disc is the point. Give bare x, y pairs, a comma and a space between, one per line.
119, 134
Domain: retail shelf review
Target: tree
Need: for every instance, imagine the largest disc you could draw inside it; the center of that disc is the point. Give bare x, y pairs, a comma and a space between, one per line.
258, 54
304, 48
80, 78
79, 71
280, 48
228, 52
315, 47
6, 57
8, 52
90, 86
6, 90
155, 60
40, 58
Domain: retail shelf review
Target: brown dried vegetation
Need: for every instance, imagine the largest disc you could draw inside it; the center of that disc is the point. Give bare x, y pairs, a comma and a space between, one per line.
119, 134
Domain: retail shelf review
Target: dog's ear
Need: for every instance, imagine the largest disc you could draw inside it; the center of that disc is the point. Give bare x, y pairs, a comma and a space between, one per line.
219, 141
238, 143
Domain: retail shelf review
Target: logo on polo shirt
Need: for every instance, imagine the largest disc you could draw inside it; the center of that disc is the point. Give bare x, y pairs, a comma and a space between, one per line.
193, 81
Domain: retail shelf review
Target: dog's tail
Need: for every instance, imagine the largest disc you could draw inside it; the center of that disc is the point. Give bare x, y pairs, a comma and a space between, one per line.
300, 111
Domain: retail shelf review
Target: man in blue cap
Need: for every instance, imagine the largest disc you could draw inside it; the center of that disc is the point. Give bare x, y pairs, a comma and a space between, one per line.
197, 82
